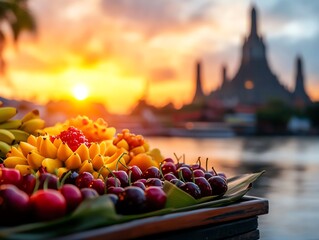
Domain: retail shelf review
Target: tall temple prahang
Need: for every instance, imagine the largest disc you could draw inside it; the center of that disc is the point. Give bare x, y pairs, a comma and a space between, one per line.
199, 97
254, 83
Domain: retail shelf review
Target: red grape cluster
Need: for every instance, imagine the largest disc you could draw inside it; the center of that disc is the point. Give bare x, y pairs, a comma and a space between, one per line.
73, 137
131, 191
194, 179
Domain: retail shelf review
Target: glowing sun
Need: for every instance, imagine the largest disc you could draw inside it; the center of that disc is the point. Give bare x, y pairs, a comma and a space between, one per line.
80, 92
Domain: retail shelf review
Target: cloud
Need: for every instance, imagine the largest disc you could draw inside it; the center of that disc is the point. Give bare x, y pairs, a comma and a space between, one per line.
296, 21
155, 17
286, 11
163, 74
160, 40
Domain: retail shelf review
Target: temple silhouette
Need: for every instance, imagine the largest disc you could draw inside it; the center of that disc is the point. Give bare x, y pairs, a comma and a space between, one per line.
254, 83
238, 100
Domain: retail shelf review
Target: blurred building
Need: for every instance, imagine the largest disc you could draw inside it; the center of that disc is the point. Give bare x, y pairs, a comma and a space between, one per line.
238, 98
254, 83
254, 86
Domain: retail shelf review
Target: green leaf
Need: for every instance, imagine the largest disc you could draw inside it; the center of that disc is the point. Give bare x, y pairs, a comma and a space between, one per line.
240, 182
176, 197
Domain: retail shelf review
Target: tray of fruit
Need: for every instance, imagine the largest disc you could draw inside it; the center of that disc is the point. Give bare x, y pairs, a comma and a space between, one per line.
81, 175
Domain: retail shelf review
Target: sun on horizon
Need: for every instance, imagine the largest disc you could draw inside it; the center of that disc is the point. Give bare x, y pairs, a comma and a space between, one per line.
80, 92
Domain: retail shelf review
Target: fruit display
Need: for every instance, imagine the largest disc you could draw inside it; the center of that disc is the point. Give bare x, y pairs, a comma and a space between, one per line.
132, 190
94, 131
63, 174
71, 150
13, 130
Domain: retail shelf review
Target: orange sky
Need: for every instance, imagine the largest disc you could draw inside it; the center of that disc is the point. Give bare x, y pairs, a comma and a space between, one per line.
115, 47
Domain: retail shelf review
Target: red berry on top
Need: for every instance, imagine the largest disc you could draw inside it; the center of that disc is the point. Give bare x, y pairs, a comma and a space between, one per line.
73, 137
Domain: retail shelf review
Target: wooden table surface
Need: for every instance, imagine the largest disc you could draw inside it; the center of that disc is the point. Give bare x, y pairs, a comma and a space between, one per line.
235, 221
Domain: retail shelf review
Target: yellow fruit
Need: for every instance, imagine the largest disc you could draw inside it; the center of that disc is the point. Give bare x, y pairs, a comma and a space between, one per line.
11, 124
24, 169
56, 129
32, 140
137, 150
6, 136
95, 131
51, 165
35, 159
97, 175
110, 150
83, 152
26, 148
60, 171
119, 162
156, 155
73, 162
4, 149
86, 167
119, 153
104, 146
57, 142
11, 162
143, 161
64, 152
32, 125
30, 115
146, 146
15, 152
6, 113
39, 141
123, 144
98, 162
47, 148
94, 150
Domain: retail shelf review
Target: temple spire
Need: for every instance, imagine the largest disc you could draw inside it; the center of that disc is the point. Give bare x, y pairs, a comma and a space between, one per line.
253, 28
299, 93
199, 94
224, 76
299, 88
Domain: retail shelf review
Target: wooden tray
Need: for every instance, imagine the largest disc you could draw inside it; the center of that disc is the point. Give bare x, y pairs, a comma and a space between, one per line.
235, 221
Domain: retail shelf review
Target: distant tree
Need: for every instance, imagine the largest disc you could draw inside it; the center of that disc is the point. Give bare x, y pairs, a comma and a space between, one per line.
16, 16
312, 112
274, 116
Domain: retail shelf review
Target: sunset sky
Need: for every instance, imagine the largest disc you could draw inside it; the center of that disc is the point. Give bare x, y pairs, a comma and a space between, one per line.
113, 47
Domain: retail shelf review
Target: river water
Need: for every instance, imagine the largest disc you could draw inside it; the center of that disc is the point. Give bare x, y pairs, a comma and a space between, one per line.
290, 183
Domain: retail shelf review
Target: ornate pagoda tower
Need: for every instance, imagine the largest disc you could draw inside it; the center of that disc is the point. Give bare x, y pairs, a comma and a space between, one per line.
254, 83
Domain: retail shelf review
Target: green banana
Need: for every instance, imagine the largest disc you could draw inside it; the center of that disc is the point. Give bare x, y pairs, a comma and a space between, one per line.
4, 149
6, 113
6, 136
11, 124
31, 115
32, 125
19, 135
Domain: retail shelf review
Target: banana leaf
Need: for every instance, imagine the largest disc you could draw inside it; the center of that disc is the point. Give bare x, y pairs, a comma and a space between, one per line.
100, 212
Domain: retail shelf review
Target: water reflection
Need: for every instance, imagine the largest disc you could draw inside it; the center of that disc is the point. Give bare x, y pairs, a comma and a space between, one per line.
290, 182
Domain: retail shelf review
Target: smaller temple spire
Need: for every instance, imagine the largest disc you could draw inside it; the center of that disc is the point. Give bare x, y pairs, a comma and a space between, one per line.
224, 72
199, 94
224, 76
299, 88
253, 28
299, 93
